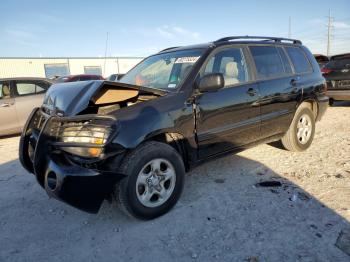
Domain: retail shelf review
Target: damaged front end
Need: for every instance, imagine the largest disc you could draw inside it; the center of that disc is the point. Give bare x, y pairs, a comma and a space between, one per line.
68, 143
68, 157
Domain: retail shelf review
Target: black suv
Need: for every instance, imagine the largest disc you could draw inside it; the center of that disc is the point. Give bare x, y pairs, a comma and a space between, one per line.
337, 74
136, 138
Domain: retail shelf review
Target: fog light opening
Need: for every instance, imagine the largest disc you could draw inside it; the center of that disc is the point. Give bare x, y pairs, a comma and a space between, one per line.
51, 180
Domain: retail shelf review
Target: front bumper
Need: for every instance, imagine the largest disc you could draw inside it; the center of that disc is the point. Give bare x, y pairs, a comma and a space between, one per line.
82, 186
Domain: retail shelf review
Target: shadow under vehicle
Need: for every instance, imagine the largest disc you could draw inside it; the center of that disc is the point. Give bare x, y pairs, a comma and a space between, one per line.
175, 109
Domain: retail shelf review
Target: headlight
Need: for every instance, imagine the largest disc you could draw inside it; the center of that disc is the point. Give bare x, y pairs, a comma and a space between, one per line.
83, 139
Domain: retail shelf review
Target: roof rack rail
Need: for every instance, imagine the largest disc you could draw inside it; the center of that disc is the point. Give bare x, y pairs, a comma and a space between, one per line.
169, 48
266, 38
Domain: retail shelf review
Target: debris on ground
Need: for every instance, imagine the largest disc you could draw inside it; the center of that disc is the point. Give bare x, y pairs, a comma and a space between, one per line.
299, 195
252, 259
219, 181
339, 176
271, 183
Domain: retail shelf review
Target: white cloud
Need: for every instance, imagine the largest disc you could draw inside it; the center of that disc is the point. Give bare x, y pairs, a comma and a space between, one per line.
316, 21
177, 32
324, 22
18, 33
341, 25
21, 36
164, 31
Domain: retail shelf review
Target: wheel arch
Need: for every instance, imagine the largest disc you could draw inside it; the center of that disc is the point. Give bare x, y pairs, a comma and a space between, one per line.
179, 142
310, 103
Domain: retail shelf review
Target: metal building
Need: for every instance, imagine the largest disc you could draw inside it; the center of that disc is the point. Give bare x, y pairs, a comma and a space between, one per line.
57, 66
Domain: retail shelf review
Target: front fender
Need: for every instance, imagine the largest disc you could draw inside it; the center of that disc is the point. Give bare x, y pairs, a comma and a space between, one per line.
164, 115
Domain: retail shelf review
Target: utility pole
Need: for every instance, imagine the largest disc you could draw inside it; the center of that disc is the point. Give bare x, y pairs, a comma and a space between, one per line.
104, 65
329, 32
290, 27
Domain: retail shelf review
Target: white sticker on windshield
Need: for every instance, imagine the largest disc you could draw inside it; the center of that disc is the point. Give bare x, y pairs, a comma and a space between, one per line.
186, 59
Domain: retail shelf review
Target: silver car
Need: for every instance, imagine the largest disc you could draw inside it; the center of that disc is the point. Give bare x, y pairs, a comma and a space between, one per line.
18, 97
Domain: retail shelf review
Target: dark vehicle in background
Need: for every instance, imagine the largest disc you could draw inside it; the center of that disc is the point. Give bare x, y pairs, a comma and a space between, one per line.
75, 78
115, 77
174, 110
337, 74
321, 59
18, 97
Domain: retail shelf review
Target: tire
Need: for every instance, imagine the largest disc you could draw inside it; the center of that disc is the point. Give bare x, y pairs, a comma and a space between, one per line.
331, 102
300, 141
155, 169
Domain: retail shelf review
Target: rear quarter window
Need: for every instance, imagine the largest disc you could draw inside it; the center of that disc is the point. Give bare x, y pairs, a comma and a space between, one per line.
300, 62
286, 64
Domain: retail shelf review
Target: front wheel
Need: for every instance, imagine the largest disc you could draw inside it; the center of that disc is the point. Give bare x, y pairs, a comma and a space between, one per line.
154, 180
301, 131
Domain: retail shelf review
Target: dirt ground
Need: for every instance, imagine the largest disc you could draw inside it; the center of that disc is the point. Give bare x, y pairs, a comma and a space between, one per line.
222, 214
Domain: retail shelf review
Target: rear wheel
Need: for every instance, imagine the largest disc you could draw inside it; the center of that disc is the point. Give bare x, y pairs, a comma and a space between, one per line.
155, 178
301, 131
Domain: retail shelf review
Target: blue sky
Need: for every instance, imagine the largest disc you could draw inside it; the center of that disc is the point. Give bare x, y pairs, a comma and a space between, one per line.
140, 28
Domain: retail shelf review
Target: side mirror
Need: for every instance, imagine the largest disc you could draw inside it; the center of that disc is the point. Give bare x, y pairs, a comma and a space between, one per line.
211, 82
120, 76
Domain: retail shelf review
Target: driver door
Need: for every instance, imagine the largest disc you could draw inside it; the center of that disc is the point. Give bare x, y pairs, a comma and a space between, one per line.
229, 117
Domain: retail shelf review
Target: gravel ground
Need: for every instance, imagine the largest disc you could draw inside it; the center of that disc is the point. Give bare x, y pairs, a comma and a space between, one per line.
222, 214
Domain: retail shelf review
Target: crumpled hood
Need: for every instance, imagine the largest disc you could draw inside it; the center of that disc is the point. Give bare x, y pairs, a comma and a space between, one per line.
69, 99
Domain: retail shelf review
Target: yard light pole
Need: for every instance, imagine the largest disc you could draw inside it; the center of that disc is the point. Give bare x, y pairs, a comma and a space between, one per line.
104, 65
329, 29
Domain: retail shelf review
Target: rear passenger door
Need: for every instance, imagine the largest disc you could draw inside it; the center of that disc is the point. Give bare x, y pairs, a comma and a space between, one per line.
29, 94
8, 116
278, 88
229, 117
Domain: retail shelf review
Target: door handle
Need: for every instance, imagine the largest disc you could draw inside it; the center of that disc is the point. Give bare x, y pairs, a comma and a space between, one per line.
251, 92
5, 105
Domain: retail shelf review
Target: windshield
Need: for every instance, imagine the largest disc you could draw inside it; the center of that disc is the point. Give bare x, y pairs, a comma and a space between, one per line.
163, 71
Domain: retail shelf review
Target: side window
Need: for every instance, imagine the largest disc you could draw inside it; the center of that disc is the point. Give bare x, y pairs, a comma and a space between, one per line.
285, 61
25, 88
5, 90
267, 61
299, 60
209, 66
230, 63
